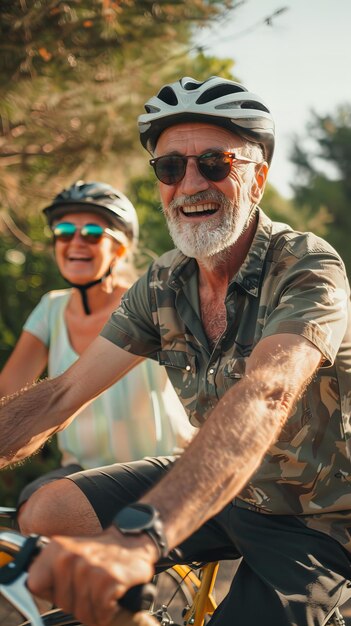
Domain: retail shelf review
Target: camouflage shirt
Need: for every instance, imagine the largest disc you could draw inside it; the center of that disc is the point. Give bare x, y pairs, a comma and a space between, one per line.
290, 282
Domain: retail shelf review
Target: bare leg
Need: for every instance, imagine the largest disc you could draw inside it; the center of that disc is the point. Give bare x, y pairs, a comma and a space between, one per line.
58, 508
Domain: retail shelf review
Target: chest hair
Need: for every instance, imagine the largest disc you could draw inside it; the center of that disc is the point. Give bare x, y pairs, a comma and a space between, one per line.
214, 319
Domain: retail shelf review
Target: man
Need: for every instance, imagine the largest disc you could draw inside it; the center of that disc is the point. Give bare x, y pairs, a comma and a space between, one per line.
251, 320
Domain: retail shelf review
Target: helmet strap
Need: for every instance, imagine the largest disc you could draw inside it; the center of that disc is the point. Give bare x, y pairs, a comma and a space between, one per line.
84, 288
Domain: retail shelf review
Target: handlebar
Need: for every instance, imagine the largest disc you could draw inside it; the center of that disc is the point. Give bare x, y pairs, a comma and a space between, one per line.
13, 577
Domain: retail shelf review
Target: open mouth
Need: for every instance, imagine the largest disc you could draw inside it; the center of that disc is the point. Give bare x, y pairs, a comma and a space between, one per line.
199, 210
79, 259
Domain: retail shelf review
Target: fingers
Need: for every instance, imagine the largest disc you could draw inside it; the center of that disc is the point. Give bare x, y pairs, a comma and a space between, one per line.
72, 583
86, 577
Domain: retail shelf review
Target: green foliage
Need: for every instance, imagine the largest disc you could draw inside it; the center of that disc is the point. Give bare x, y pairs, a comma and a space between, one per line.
27, 270
154, 236
280, 209
323, 182
73, 78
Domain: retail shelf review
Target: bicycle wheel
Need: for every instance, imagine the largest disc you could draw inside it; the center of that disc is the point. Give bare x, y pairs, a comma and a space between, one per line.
175, 590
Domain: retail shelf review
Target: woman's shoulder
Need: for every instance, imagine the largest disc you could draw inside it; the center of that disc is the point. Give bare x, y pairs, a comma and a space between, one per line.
53, 302
56, 296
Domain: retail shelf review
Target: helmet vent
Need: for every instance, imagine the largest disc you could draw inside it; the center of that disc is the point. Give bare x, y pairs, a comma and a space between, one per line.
168, 96
249, 104
190, 85
218, 92
151, 109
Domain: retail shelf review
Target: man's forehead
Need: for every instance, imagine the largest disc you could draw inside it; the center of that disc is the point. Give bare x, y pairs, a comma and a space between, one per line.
201, 134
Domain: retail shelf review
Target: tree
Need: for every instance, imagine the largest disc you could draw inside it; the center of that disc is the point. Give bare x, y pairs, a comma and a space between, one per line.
322, 190
74, 76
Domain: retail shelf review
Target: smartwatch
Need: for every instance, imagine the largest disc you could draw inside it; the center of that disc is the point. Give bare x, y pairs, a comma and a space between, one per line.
139, 518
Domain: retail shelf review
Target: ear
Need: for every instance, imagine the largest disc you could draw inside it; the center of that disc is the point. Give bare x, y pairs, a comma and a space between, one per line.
259, 182
120, 250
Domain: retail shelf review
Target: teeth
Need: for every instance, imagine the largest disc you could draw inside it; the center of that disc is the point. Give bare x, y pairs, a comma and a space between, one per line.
200, 208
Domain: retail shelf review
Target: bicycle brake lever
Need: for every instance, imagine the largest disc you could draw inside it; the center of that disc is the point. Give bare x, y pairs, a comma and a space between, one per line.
20, 597
30, 547
13, 576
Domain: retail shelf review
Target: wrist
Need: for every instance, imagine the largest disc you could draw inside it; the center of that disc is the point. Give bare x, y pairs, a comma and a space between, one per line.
141, 542
140, 519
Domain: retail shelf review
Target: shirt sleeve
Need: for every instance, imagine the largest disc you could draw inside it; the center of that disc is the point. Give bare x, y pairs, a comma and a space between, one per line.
132, 326
311, 298
38, 321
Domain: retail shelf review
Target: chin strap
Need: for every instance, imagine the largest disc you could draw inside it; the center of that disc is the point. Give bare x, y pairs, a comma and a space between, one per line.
84, 288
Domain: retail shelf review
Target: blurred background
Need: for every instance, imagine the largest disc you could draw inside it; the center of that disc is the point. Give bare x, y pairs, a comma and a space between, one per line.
74, 76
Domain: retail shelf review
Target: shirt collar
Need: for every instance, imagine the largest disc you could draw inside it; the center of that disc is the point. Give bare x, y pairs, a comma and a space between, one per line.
249, 274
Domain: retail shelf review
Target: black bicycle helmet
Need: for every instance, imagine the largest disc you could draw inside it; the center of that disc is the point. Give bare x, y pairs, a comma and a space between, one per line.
99, 198
104, 200
217, 101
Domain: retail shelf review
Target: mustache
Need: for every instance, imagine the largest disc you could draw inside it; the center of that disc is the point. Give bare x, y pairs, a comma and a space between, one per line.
209, 195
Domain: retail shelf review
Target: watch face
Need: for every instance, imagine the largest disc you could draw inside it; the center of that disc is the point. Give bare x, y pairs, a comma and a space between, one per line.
133, 518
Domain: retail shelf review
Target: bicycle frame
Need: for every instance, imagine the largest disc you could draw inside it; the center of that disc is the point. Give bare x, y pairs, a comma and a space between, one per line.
204, 602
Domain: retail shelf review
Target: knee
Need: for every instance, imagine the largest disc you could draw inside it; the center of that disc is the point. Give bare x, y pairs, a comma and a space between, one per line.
39, 513
58, 508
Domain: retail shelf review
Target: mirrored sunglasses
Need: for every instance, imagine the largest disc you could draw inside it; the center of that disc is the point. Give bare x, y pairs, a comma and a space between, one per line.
91, 233
213, 165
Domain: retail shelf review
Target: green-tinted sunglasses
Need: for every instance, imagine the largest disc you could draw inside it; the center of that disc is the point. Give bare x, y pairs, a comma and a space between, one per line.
91, 233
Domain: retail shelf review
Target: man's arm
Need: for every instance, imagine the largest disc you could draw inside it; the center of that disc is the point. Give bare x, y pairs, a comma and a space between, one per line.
230, 446
31, 416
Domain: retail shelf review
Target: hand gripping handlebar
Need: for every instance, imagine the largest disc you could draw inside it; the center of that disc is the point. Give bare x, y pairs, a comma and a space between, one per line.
13, 577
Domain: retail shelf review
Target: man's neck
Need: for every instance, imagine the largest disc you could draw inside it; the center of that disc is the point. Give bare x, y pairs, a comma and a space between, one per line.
220, 269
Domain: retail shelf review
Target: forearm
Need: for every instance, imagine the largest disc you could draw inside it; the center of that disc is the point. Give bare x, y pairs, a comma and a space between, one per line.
29, 417
223, 456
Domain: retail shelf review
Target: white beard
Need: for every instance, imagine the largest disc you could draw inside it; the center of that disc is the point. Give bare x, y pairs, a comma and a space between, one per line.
212, 237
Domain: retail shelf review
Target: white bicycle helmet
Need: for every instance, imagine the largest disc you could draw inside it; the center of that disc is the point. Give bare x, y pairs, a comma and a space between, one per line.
99, 198
217, 101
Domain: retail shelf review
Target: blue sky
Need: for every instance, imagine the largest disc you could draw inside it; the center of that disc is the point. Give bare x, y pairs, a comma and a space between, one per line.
302, 62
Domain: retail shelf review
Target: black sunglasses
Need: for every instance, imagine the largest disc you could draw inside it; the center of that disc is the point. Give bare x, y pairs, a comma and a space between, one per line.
91, 233
213, 165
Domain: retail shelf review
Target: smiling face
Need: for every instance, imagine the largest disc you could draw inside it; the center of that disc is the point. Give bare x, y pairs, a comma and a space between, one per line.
80, 262
206, 218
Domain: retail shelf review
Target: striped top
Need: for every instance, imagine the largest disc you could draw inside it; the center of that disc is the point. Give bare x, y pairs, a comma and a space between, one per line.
138, 416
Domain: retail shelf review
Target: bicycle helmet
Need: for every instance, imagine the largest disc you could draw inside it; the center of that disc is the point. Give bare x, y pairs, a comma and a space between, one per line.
216, 100
99, 198
104, 200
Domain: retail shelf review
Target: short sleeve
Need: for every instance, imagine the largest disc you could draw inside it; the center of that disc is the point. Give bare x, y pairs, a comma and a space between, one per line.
311, 299
38, 321
132, 326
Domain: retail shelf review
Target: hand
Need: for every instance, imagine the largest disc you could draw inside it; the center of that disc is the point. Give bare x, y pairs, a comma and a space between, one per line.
86, 576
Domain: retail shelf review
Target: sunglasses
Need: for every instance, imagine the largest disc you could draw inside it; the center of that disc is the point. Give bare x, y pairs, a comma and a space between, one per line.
213, 165
91, 233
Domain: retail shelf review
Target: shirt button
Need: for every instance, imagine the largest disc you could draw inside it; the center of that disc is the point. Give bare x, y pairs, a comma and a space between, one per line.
188, 368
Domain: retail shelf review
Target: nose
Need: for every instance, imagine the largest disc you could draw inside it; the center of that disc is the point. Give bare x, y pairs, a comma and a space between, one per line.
77, 237
193, 180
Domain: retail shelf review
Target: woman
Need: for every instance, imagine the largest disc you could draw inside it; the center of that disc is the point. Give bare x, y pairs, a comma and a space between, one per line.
95, 229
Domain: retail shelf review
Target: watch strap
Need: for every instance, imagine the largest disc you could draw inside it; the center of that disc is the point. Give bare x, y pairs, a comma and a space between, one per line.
153, 527
158, 537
